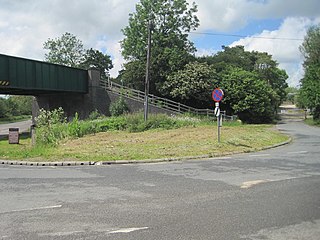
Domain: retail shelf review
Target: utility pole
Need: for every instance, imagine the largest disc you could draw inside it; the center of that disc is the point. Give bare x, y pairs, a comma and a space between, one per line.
146, 88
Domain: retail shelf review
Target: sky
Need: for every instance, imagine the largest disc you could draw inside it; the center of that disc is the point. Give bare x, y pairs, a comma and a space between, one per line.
277, 27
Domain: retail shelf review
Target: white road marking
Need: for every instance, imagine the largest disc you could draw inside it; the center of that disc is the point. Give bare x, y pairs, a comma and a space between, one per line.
299, 152
34, 209
222, 158
128, 230
250, 184
259, 155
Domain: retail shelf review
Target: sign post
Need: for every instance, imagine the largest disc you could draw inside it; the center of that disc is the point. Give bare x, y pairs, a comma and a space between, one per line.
217, 96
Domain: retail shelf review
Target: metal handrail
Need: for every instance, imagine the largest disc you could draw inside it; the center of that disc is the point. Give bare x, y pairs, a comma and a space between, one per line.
157, 101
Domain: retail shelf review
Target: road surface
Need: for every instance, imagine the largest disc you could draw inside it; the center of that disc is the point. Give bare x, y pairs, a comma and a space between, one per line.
23, 126
270, 195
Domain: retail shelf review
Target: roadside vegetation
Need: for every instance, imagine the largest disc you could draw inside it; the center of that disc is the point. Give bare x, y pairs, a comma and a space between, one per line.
15, 108
128, 137
312, 122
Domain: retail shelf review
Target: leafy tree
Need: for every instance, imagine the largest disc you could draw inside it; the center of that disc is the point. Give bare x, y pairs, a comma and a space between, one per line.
171, 49
4, 108
96, 59
268, 70
15, 106
292, 94
69, 51
310, 84
309, 95
192, 84
66, 50
310, 47
261, 65
248, 96
231, 56
134, 75
22, 105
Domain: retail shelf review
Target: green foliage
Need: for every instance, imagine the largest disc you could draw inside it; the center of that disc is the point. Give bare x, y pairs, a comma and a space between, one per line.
310, 47
194, 82
239, 71
47, 118
14, 106
119, 107
96, 59
171, 49
66, 50
4, 108
249, 96
112, 124
74, 127
309, 95
52, 130
94, 115
50, 125
292, 94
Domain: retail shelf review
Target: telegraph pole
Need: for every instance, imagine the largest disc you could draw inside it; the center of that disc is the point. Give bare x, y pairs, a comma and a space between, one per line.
146, 88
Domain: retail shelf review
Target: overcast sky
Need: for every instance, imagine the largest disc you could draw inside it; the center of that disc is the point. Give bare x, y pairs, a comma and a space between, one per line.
26, 24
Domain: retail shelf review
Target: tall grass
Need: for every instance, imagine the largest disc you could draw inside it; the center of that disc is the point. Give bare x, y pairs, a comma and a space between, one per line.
53, 131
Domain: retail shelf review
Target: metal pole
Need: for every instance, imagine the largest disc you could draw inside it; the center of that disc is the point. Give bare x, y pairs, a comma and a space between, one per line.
219, 129
146, 89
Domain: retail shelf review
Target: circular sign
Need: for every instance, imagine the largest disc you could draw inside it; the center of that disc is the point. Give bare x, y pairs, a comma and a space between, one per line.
217, 95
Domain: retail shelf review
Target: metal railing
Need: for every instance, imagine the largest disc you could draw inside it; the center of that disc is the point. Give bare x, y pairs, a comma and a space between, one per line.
156, 101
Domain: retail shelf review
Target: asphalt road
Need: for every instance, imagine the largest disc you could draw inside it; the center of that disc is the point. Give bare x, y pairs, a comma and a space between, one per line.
23, 126
273, 194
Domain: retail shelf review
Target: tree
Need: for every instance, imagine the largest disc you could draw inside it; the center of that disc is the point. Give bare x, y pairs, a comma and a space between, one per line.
96, 59
23, 105
310, 47
66, 50
192, 84
268, 70
260, 64
248, 96
171, 49
4, 108
310, 84
309, 95
15, 106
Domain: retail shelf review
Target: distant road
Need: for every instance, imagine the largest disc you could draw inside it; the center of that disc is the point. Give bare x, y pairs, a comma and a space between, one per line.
23, 126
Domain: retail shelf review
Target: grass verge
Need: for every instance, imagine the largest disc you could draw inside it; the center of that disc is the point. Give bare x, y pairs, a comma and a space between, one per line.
312, 122
151, 144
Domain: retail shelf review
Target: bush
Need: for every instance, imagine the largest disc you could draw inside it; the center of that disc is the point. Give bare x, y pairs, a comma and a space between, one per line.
94, 115
119, 107
51, 126
112, 124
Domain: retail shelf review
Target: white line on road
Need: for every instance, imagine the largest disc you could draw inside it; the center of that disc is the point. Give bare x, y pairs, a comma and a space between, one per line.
259, 155
34, 209
222, 158
128, 230
299, 152
250, 184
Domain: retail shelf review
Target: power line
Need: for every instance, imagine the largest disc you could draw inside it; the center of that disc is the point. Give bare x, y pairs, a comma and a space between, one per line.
243, 36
